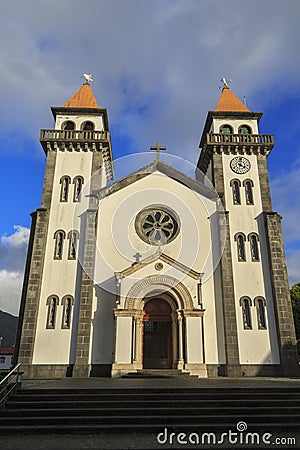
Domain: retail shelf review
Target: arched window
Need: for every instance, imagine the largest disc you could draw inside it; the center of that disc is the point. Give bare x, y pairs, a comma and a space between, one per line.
67, 302
88, 126
78, 183
240, 239
260, 304
68, 125
64, 190
59, 237
246, 303
248, 184
226, 129
253, 239
73, 237
245, 129
52, 303
236, 195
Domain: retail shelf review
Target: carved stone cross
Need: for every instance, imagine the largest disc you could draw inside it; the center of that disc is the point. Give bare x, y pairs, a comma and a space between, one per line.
158, 149
137, 257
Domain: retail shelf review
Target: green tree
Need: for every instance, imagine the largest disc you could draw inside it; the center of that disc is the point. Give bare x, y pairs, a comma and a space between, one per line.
295, 297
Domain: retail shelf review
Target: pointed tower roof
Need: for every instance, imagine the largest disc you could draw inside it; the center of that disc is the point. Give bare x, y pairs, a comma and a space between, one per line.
83, 98
230, 103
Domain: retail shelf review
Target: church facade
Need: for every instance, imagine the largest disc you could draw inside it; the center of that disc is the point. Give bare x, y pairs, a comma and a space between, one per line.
156, 270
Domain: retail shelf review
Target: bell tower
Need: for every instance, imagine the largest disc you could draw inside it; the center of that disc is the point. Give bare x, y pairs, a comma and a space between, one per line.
52, 323
258, 321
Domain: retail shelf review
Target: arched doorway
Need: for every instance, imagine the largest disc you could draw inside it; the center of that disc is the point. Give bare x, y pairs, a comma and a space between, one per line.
157, 335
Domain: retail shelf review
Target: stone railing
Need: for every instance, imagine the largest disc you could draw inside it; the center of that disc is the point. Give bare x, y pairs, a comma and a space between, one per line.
74, 135
239, 139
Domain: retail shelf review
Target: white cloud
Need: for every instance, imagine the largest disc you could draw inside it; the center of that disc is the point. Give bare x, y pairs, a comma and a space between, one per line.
10, 291
17, 239
13, 250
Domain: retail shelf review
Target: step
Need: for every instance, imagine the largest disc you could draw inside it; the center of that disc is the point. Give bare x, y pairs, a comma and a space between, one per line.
145, 428
154, 419
162, 411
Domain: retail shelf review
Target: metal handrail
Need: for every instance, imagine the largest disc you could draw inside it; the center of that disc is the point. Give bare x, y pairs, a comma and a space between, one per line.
9, 383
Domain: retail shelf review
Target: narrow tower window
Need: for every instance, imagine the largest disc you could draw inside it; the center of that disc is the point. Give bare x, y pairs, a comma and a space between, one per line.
52, 303
236, 195
73, 237
88, 126
59, 237
246, 303
226, 129
260, 304
78, 183
244, 129
68, 125
253, 239
248, 184
67, 303
64, 190
240, 239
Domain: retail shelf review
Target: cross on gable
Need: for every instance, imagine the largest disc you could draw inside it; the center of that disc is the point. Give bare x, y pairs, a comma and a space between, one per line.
137, 257
157, 148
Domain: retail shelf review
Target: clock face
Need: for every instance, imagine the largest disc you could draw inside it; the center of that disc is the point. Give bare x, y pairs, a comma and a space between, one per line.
240, 164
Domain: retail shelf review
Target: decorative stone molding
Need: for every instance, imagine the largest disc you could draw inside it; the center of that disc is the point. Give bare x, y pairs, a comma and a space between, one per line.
162, 283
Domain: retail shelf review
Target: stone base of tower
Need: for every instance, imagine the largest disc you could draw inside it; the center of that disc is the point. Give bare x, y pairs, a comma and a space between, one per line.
45, 370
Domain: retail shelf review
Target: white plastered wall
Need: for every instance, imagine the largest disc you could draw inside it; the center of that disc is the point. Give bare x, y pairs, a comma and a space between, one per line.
118, 242
256, 346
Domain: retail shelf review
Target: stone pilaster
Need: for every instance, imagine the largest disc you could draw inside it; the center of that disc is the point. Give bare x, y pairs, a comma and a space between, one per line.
32, 288
264, 183
233, 368
281, 295
49, 179
82, 366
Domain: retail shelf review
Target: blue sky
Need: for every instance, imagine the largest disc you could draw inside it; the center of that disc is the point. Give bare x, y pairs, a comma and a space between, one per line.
157, 67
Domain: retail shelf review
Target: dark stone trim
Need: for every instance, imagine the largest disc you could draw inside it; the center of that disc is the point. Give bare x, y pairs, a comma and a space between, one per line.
232, 368
32, 285
281, 294
42, 371
82, 368
24, 288
49, 179
264, 183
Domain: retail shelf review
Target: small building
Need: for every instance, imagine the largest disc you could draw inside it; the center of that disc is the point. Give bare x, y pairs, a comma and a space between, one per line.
6, 355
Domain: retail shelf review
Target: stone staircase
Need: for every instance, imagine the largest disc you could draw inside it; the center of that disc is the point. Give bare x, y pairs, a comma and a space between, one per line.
151, 409
159, 373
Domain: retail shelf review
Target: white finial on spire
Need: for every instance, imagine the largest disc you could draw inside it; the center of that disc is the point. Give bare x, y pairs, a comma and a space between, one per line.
225, 83
88, 78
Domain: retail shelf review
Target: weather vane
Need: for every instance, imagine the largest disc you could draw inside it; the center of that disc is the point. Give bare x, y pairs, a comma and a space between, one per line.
225, 83
88, 78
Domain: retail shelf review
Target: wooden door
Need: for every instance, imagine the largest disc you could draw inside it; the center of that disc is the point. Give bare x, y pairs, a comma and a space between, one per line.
157, 336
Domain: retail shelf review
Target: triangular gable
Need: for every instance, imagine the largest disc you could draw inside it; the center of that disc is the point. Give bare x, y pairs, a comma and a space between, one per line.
160, 257
163, 168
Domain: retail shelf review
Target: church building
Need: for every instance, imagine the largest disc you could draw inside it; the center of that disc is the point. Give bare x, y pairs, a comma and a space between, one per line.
157, 270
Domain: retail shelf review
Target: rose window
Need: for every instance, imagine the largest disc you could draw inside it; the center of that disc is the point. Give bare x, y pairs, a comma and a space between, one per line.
156, 226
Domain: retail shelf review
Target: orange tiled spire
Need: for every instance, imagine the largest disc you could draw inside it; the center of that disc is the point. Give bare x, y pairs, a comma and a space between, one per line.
229, 102
83, 98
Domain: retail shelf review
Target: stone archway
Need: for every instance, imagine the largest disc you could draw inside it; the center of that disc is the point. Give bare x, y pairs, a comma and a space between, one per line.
159, 284
177, 295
